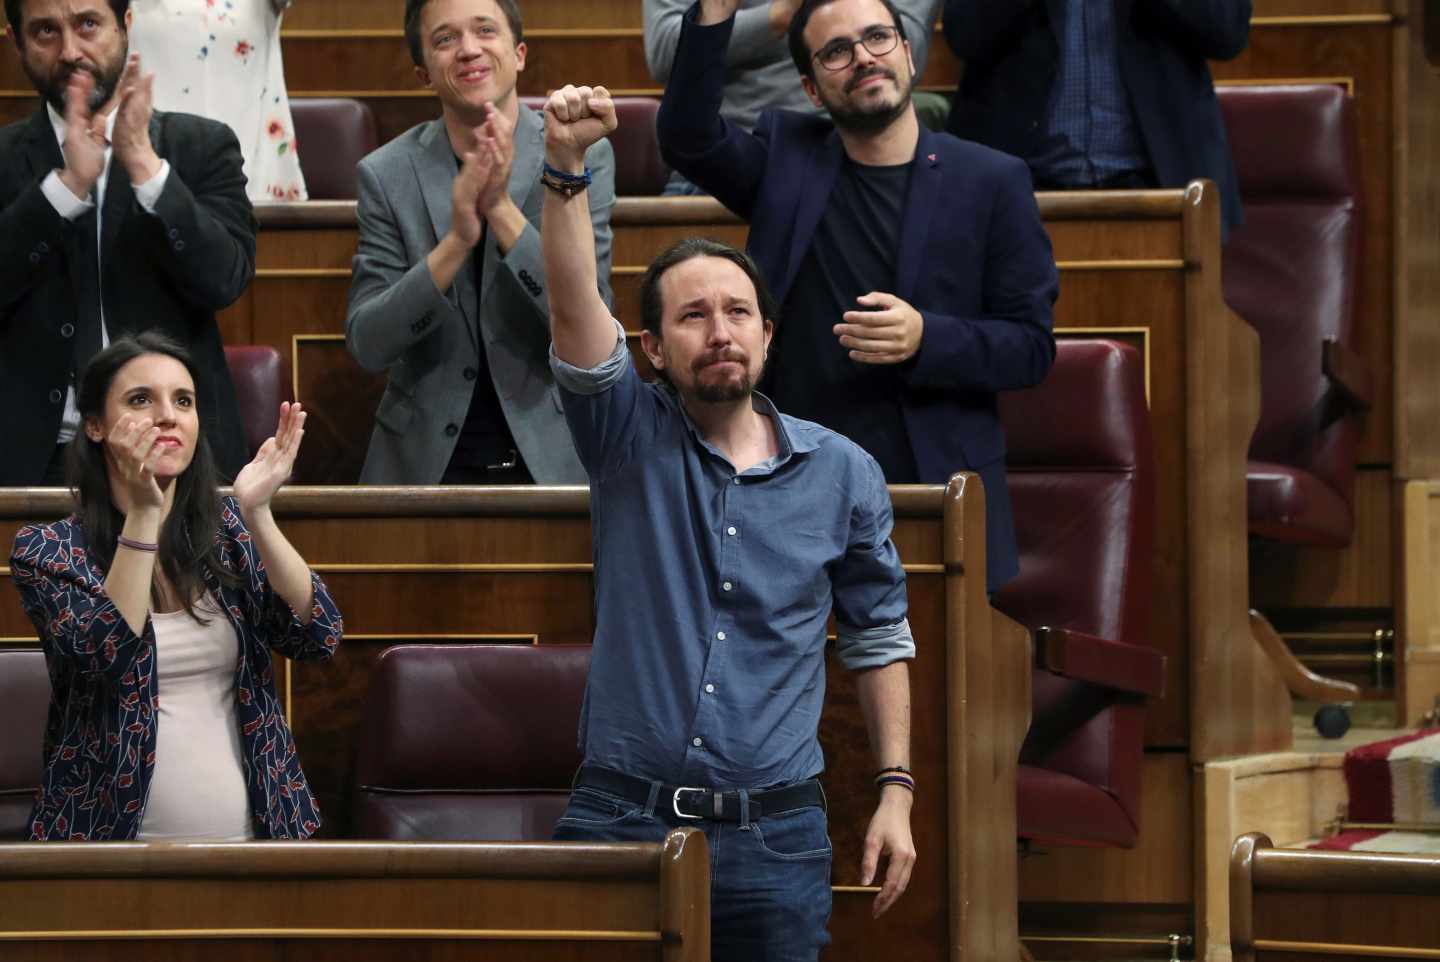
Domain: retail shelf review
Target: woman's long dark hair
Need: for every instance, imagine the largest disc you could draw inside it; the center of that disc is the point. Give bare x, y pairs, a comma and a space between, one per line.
188, 545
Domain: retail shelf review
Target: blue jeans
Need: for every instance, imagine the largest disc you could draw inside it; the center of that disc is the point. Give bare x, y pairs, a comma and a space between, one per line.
769, 878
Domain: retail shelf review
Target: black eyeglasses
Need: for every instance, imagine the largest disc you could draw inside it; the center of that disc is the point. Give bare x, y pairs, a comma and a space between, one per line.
839, 54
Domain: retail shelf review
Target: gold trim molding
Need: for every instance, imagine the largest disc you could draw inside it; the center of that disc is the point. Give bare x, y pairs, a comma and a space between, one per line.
1326, 20
301, 273
1166, 264
529, 935
1359, 951
1123, 332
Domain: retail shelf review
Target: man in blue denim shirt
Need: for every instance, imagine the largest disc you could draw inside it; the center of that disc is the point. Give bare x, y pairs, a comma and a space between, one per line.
724, 534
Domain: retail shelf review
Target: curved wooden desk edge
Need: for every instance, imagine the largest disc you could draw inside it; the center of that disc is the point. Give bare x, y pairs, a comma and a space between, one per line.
670, 211
348, 859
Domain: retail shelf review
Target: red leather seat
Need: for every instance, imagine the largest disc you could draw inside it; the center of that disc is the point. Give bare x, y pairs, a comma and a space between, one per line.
1081, 473
639, 169
469, 741
261, 383
24, 698
1292, 270
332, 134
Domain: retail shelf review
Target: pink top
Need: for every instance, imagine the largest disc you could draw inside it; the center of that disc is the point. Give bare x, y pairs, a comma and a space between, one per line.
198, 788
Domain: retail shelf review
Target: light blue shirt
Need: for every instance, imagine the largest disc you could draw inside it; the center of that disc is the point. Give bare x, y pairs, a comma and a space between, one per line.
713, 587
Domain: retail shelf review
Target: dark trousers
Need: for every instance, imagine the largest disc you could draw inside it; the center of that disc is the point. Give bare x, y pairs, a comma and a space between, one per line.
769, 878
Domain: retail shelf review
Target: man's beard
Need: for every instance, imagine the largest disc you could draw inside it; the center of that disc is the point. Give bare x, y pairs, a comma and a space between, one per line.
869, 121
730, 389
106, 77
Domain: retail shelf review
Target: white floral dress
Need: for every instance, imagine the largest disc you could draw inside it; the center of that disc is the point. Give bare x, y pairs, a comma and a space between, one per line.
221, 59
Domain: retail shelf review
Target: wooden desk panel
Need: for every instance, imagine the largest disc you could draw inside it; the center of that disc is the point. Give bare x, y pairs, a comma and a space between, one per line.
283, 900
513, 565
1290, 905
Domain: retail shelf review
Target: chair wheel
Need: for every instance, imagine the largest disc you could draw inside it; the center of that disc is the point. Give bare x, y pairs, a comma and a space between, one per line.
1332, 721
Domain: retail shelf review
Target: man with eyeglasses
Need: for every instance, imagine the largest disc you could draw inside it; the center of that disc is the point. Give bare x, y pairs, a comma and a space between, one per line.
915, 277
759, 72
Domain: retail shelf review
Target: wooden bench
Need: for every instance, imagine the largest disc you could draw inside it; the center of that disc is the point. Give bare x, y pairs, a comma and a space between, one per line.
1141, 266
514, 565
1293, 905
356, 901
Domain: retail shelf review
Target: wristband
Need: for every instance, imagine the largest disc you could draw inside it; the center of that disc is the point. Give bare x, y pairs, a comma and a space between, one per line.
562, 183
134, 545
904, 781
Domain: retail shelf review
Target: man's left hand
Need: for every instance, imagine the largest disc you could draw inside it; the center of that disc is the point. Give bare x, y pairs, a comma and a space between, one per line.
131, 139
887, 330
889, 835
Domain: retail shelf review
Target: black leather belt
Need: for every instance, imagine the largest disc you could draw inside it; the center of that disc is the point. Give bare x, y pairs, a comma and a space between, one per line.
687, 801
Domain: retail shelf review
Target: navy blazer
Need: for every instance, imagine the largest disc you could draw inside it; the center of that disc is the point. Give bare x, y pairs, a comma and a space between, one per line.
104, 688
1012, 50
974, 259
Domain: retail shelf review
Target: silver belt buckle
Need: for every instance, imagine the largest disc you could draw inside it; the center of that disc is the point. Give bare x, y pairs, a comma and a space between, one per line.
675, 802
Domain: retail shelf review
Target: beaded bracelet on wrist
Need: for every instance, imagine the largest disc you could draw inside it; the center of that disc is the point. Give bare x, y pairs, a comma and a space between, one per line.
562, 183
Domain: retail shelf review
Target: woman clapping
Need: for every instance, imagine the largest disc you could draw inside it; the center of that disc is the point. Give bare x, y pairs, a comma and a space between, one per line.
158, 585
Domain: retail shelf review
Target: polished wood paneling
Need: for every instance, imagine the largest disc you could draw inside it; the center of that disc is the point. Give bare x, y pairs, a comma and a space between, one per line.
1417, 651
1108, 932
1417, 243
1157, 871
1293, 797
515, 563
1299, 904
1359, 576
282, 900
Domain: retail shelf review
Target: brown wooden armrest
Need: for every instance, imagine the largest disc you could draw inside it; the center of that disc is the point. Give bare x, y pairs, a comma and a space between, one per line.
1100, 661
1349, 373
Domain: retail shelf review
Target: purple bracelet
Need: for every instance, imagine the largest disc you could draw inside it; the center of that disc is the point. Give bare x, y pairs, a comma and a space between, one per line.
134, 545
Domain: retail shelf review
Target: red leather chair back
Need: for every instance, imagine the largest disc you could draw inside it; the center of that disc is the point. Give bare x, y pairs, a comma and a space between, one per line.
24, 698
1292, 270
332, 134
261, 383
469, 741
1081, 474
639, 169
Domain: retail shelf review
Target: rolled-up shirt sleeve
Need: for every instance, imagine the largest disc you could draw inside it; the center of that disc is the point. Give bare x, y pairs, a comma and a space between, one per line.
610, 411
579, 380
872, 629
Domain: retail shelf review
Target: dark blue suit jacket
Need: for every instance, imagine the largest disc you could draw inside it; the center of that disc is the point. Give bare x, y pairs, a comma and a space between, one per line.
1012, 56
974, 259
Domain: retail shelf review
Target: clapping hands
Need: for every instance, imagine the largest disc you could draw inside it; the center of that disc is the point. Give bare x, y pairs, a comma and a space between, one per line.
262, 477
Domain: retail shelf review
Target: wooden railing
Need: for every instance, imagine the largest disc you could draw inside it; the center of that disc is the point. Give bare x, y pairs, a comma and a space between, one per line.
356, 901
514, 565
1297, 905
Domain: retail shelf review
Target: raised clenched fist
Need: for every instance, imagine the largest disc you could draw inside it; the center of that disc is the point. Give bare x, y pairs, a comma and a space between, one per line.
575, 118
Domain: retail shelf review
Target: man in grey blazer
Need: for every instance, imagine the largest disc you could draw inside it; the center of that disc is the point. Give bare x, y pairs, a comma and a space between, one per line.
448, 289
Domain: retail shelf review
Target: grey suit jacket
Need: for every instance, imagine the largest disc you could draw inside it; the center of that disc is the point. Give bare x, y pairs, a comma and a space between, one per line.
399, 322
